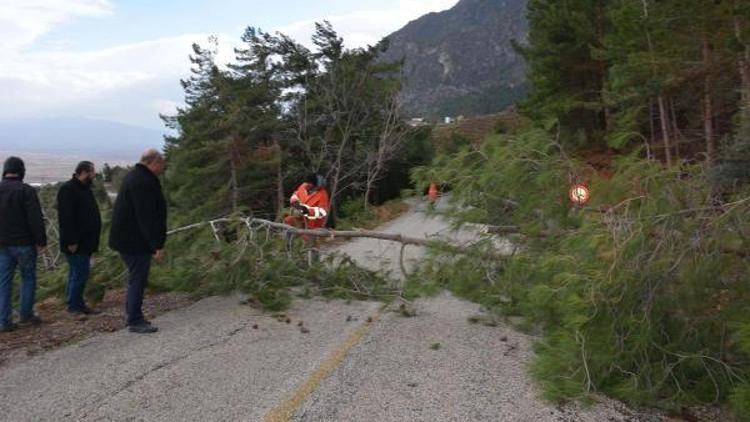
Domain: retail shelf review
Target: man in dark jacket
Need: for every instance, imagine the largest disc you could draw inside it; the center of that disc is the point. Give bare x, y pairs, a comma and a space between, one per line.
22, 237
139, 231
80, 229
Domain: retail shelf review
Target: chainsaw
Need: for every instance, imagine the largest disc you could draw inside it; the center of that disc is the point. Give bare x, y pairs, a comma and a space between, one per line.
311, 213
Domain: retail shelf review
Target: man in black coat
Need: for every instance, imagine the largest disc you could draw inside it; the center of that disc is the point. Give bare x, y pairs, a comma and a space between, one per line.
139, 231
22, 237
80, 229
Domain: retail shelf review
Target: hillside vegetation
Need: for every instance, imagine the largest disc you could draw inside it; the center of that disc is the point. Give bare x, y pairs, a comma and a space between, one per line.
644, 294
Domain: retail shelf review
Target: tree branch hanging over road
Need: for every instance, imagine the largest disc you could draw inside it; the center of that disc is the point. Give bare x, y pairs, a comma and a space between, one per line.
257, 223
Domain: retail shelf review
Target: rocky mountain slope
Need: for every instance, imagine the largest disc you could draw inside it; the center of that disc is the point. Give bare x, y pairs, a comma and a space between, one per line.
461, 61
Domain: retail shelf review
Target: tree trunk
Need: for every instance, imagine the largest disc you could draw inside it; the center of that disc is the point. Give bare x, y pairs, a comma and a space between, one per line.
744, 64
451, 247
660, 99
651, 120
368, 191
708, 112
233, 174
664, 118
675, 130
279, 181
603, 65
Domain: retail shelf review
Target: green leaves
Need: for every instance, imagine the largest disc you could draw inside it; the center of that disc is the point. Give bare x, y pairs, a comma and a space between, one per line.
567, 70
638, 295
637, 300
253, 129
741, 402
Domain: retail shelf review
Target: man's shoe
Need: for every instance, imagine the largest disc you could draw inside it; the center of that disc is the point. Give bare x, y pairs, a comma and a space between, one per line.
83, 311
142, 328
88, 311
8, 328
32, 320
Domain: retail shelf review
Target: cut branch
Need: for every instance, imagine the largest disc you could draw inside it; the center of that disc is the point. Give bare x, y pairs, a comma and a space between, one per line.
333, 234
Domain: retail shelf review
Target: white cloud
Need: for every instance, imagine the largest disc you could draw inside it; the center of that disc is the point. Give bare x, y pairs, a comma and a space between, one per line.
55, 80
132, 83
23, 21
164, 106
367, 27
118, 83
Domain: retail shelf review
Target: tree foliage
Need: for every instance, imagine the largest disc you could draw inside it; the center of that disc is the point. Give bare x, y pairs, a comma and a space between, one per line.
565, 70
643, 294
251, 130
623, 73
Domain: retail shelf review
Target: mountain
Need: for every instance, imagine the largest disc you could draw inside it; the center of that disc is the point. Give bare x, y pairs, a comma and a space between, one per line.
461, 61
78, 137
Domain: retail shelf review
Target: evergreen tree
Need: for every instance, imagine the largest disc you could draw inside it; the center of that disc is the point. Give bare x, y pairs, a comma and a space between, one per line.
215, 162
669, 83
250, 133
567, 71
107, 173
343, 109
646, 297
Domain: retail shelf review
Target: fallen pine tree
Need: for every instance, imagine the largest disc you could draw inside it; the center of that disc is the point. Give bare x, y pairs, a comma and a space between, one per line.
642, 296
445, 246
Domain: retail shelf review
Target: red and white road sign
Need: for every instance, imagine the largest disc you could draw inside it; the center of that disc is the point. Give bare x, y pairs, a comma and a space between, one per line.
580, 195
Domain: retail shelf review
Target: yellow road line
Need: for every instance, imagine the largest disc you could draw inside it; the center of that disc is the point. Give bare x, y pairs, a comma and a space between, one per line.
286, 410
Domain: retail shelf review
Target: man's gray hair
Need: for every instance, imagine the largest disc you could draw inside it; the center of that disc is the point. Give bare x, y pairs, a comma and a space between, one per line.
151, 155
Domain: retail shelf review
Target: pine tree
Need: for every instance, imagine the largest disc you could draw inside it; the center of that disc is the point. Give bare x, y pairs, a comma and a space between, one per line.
107, 173
668, 80
567, 71
343, 111
214, 161
251, 132
646, 297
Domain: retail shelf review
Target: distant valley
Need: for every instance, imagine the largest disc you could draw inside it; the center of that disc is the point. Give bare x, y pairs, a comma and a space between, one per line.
42, 167
51, 147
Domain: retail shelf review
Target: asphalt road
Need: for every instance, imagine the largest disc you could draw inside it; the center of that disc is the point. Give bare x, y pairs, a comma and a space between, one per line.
221, 360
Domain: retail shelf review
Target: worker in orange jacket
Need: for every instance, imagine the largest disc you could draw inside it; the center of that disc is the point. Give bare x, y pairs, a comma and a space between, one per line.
310, 205
432, 194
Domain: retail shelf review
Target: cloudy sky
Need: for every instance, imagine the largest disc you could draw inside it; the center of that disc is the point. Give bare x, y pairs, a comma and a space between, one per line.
121, 60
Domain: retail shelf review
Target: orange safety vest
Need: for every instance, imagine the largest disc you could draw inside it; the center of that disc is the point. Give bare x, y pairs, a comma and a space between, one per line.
318, 198
432, 193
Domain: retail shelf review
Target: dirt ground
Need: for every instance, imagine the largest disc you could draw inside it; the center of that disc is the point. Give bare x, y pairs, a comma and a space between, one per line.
59, 327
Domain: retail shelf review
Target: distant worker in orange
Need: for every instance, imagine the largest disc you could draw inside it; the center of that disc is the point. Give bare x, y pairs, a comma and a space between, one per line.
432, 194
310, 205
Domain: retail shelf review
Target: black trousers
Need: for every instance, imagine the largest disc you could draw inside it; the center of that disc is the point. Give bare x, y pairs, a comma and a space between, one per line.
138, 267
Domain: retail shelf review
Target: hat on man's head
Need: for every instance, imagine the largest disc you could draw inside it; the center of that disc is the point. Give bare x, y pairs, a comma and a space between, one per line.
14, 165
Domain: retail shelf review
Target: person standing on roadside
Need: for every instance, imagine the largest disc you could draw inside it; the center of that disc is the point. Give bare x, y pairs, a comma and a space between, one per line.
310, 207
22, 238
80, 229
432, 195
139, 231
